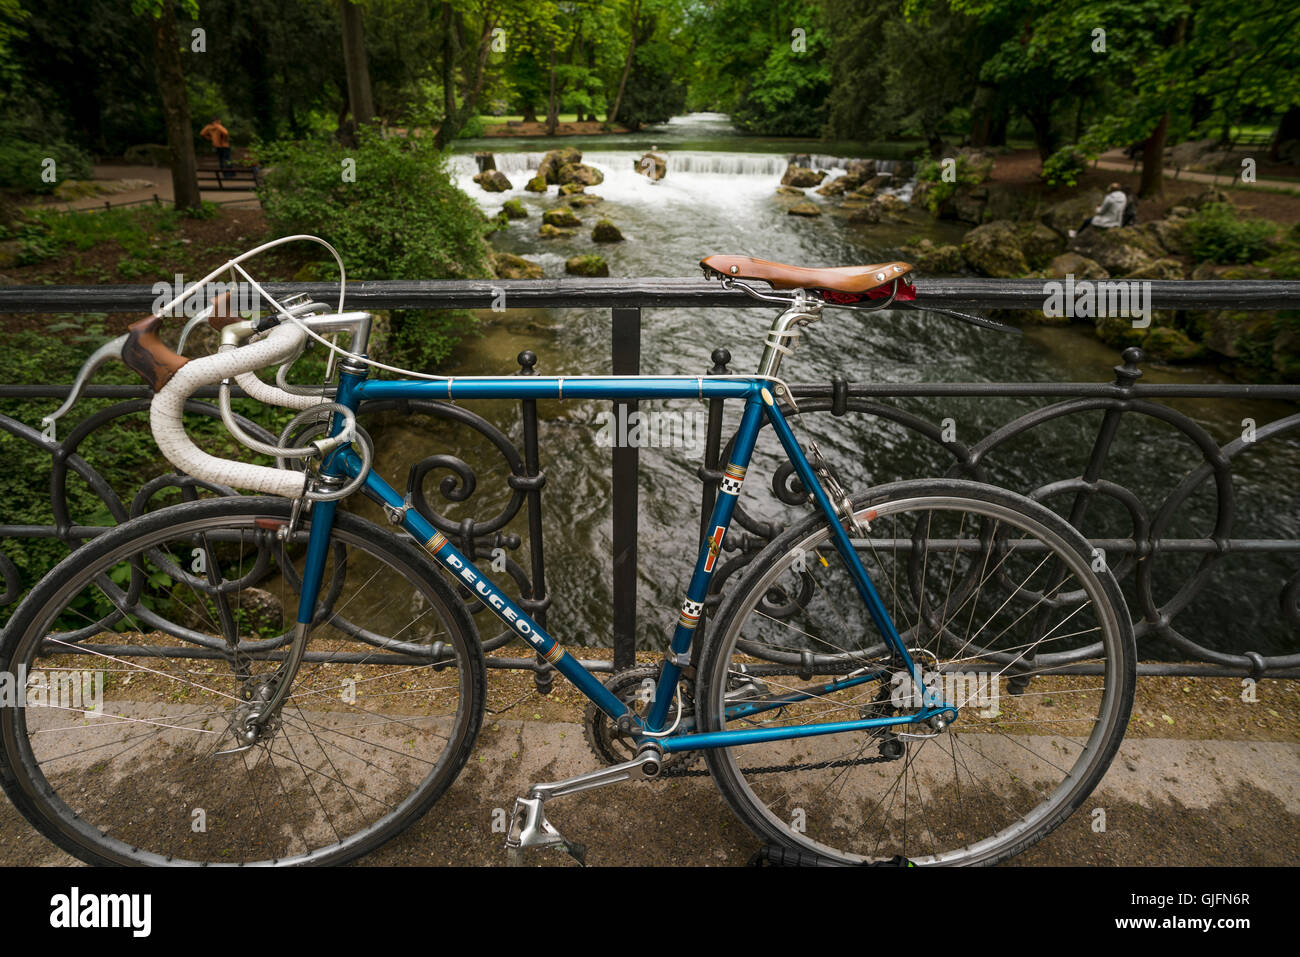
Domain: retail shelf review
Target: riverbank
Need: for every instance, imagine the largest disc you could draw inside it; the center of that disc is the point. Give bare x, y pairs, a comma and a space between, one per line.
1019, 227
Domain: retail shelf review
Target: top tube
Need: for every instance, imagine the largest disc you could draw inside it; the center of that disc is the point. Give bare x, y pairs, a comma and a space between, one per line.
563, 387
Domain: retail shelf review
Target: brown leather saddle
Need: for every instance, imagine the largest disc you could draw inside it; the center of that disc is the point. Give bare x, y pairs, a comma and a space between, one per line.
852, 280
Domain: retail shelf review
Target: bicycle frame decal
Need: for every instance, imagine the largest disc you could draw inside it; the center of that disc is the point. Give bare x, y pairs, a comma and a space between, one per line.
759, 407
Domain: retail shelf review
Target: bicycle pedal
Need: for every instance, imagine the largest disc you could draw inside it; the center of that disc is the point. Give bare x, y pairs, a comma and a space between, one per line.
530, 828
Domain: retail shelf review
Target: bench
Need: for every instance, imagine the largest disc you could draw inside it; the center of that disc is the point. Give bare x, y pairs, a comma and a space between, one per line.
232, 177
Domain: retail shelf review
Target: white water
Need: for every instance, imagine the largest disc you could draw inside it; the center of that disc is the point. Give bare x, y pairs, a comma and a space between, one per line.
717, 180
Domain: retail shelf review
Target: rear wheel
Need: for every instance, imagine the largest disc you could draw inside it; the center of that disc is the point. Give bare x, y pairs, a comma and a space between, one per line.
1011, 618
145, 652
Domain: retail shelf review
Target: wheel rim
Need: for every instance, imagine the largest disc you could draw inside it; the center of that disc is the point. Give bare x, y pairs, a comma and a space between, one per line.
1044, 761
363, 744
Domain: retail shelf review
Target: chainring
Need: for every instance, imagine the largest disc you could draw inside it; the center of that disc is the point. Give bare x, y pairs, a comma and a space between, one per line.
635, 688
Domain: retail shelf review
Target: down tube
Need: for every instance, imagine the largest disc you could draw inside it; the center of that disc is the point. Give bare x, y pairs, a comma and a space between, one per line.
843, 544
514, 617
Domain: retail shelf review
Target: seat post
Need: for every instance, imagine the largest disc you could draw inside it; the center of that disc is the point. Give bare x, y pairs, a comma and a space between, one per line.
784, 334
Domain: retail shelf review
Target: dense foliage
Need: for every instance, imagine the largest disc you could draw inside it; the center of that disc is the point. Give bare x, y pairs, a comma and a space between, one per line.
1092, 73
391, 205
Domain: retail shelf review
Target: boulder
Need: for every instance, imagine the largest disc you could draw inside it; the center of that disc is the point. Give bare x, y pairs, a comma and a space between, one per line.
569, 189
590, 265
1080, 267
1118, 331
652, 165
583, 200
1121, 251
148, 154
536, 185
561, 217
579, 173
1039, 244
869, 214
1171, 345
994, 250
514, 209
1068, 214
789, 191
966, 205
555, 160
547, 231
1211, 195
1166, 268
835, 187
606, 232
493, 180
929, 258
1168, 233
890, 204
510, 266
485, 161
879, 180
858, 172
76, 189
805, 209
801, 176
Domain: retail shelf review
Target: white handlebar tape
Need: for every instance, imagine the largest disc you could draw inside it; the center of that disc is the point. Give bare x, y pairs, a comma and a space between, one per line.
165, 416
269, 394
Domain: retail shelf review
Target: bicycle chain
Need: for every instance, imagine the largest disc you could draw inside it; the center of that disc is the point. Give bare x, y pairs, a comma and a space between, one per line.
778, 768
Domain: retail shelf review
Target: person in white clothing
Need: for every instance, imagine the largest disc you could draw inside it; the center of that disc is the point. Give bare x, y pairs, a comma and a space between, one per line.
1109, 214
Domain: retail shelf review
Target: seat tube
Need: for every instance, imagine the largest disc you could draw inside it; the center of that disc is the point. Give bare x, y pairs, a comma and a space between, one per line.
719, 521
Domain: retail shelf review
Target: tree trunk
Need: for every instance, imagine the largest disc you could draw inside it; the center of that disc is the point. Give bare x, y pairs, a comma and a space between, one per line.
354, 62
627, 67
446, 129
1153, 162
1044, 135
530, 113
981, 115
176, 109
998, 128
1152, 185
1288, 130
552, 103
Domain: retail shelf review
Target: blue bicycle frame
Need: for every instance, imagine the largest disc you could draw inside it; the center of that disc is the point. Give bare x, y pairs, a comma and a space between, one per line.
355, 387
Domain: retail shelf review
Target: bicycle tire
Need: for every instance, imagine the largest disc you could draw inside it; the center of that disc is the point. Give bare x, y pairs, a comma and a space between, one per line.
763, 640
337, 778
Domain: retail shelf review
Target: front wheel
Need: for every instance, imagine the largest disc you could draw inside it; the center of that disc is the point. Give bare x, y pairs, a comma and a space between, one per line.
1012, 619
146, 651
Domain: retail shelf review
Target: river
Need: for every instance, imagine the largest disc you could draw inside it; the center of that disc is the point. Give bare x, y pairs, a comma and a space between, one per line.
719, 196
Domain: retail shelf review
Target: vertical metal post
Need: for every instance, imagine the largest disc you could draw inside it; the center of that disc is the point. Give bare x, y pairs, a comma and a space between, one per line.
626, 352
531, 484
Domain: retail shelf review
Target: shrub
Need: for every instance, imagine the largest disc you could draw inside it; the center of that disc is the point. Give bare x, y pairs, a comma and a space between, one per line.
1218, 233
391, 209
939, 190
22, 162
1064, 167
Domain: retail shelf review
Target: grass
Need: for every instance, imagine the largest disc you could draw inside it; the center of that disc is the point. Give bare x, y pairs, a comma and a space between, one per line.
148, 236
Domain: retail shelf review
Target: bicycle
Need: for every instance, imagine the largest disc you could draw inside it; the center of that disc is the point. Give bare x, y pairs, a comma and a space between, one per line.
885, 683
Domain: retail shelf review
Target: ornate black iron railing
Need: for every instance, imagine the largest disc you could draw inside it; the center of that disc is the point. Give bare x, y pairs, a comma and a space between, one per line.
486, 537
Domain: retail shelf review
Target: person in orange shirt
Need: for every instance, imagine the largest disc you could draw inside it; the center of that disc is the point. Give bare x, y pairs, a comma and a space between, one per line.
219, 137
